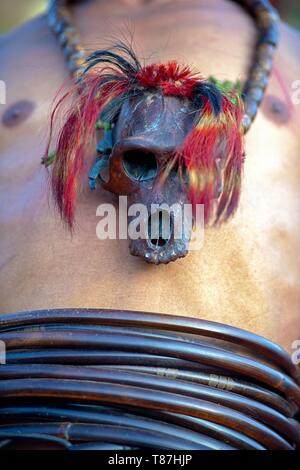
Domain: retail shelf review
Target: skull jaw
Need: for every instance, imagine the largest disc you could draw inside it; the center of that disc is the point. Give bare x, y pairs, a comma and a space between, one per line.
171, 251
164, 233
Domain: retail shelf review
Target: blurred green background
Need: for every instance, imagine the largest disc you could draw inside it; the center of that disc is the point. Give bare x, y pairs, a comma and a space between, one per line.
14, 12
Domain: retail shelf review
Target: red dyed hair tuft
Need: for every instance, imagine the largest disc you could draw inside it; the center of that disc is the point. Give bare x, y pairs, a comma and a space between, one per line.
170, 78
215, 136
76, 139
216, 132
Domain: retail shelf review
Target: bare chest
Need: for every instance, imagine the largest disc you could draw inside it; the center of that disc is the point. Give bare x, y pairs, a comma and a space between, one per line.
246, 273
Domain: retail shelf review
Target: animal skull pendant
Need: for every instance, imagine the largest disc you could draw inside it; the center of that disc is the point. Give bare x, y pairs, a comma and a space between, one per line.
171, 139
147, 132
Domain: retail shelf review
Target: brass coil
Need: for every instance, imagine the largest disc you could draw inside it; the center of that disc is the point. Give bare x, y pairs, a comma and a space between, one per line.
86, 379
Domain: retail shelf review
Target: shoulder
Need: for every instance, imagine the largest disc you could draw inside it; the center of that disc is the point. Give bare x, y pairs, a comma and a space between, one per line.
290, 39
30, 53
32, 70
30, 38
285, 78
288, 52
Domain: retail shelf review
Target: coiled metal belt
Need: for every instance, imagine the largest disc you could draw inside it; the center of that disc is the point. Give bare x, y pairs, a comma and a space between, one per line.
98, 379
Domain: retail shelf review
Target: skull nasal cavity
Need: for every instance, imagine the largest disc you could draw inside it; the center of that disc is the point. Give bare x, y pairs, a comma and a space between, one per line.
160, 227
139, 164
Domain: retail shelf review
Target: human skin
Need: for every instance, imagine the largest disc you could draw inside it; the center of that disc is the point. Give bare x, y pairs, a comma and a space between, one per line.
247, 273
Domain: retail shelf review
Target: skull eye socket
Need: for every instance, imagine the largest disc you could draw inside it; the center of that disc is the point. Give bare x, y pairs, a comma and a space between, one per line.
140, 165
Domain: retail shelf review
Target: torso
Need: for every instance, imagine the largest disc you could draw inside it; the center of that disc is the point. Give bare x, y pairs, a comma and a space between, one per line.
247, 273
